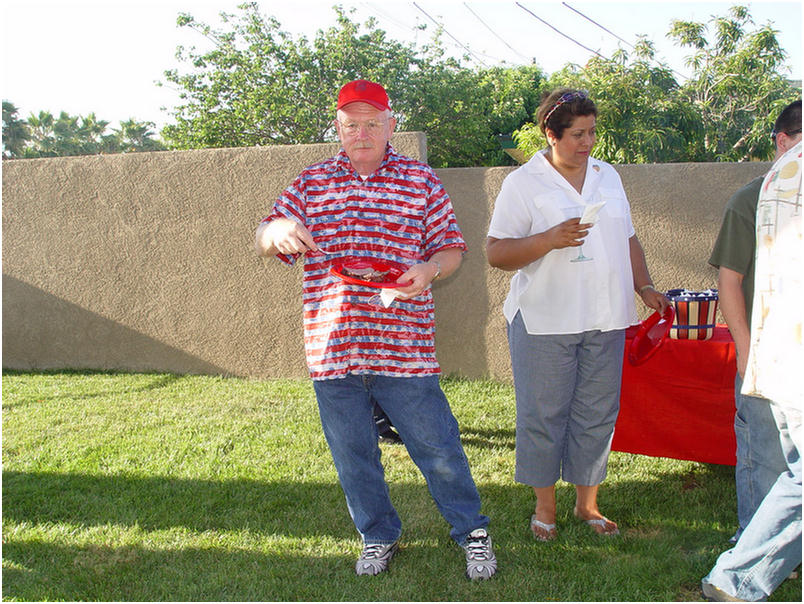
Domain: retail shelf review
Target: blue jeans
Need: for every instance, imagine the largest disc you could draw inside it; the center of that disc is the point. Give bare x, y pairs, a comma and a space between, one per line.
759, 453
770, 547
419, 411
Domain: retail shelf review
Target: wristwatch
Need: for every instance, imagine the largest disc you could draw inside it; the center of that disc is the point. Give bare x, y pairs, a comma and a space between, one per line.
438, 269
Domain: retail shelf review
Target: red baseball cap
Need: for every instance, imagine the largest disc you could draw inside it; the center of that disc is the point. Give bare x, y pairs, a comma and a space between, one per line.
363, 91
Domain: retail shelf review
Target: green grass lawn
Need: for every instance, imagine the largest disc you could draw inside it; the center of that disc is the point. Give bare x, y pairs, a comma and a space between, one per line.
165, 487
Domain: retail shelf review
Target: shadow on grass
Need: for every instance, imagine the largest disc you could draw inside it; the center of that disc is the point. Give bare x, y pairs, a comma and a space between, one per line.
291, 507
668, 541
488, 439
162, 503
56, 572
160, 380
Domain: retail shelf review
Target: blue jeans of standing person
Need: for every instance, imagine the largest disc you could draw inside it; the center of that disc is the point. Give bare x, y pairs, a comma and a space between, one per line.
770, 547
760, 459
419, 411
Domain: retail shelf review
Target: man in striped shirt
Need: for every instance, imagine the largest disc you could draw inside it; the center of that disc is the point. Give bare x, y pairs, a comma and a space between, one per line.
370, 203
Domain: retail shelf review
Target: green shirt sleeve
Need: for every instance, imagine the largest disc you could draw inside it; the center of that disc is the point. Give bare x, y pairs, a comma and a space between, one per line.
736, 242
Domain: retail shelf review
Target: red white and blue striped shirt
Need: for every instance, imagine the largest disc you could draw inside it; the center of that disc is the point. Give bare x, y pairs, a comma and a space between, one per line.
400, 213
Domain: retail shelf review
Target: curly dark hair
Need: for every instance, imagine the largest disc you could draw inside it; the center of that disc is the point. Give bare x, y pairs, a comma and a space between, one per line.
560, 107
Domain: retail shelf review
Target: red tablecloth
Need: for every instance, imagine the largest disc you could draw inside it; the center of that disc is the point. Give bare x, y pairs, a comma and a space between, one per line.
680, 402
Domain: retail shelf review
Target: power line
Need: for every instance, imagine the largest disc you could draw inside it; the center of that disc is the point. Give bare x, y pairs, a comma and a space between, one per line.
681, 75
417, 29
560, 32
450, 35
401, 25
598, 24
495, 33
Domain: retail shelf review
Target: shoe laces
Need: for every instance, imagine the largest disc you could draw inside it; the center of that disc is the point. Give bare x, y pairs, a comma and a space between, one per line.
477, 547
373, 551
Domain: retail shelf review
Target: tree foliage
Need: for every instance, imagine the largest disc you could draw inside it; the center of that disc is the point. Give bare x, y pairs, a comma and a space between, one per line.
44, 135
258, 85
16, 132
255, 84
723, 112
737, 88
641, 117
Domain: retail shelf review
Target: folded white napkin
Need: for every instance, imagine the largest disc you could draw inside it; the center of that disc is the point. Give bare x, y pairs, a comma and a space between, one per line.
388, 295
589, 215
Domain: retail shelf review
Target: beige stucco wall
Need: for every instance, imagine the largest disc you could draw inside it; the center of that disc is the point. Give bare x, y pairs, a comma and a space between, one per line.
145, 261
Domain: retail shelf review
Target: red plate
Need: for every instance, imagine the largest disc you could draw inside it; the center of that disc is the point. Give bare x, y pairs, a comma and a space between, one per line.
650, 336
394, 269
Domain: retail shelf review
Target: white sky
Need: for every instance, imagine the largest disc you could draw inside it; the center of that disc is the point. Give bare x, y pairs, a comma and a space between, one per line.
104, 56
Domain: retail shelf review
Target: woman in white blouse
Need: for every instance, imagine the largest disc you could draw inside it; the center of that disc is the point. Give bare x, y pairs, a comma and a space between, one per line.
570, 301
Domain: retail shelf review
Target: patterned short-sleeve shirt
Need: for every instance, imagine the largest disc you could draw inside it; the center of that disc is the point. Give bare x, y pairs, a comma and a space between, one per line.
776, 354
400, 213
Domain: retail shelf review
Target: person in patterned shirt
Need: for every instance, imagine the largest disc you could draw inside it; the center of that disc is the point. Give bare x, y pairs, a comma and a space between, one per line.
769, 548
370, 203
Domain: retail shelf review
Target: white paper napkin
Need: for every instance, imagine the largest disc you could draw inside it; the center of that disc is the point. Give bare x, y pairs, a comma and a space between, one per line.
388, 295
590, 213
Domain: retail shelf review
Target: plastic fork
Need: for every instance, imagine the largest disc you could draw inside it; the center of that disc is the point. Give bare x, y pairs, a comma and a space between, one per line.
321, 250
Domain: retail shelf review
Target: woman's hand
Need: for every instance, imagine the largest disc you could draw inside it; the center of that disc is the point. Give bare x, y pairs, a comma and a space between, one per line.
654, 299
569, 233
515, 253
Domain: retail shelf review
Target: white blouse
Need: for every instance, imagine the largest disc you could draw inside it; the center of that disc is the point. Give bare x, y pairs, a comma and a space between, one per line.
555, 295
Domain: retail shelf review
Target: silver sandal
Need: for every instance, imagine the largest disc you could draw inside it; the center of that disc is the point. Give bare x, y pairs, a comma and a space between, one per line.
547, 528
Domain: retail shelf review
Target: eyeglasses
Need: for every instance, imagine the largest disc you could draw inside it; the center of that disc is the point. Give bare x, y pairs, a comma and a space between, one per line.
373, 127
565, 98
788, 133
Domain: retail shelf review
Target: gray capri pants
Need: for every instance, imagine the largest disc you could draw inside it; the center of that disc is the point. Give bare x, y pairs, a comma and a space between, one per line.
567, 398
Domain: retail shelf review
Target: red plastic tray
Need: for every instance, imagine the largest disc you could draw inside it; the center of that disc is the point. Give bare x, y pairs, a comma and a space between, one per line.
651, 334
394, 269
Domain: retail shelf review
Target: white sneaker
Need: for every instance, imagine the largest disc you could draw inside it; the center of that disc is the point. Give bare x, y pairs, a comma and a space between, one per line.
481, 563
715, 594
374, 558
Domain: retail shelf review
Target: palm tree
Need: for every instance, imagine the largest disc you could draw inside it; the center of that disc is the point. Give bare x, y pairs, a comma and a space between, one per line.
16, 133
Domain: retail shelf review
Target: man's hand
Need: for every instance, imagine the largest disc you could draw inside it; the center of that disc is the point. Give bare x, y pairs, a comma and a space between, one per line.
283, 236
421, 275
442, 264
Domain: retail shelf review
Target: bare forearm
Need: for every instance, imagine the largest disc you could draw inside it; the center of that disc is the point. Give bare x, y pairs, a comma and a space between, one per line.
440, 265
513, 254
732, 306
447, 261
639, 266
643, 284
